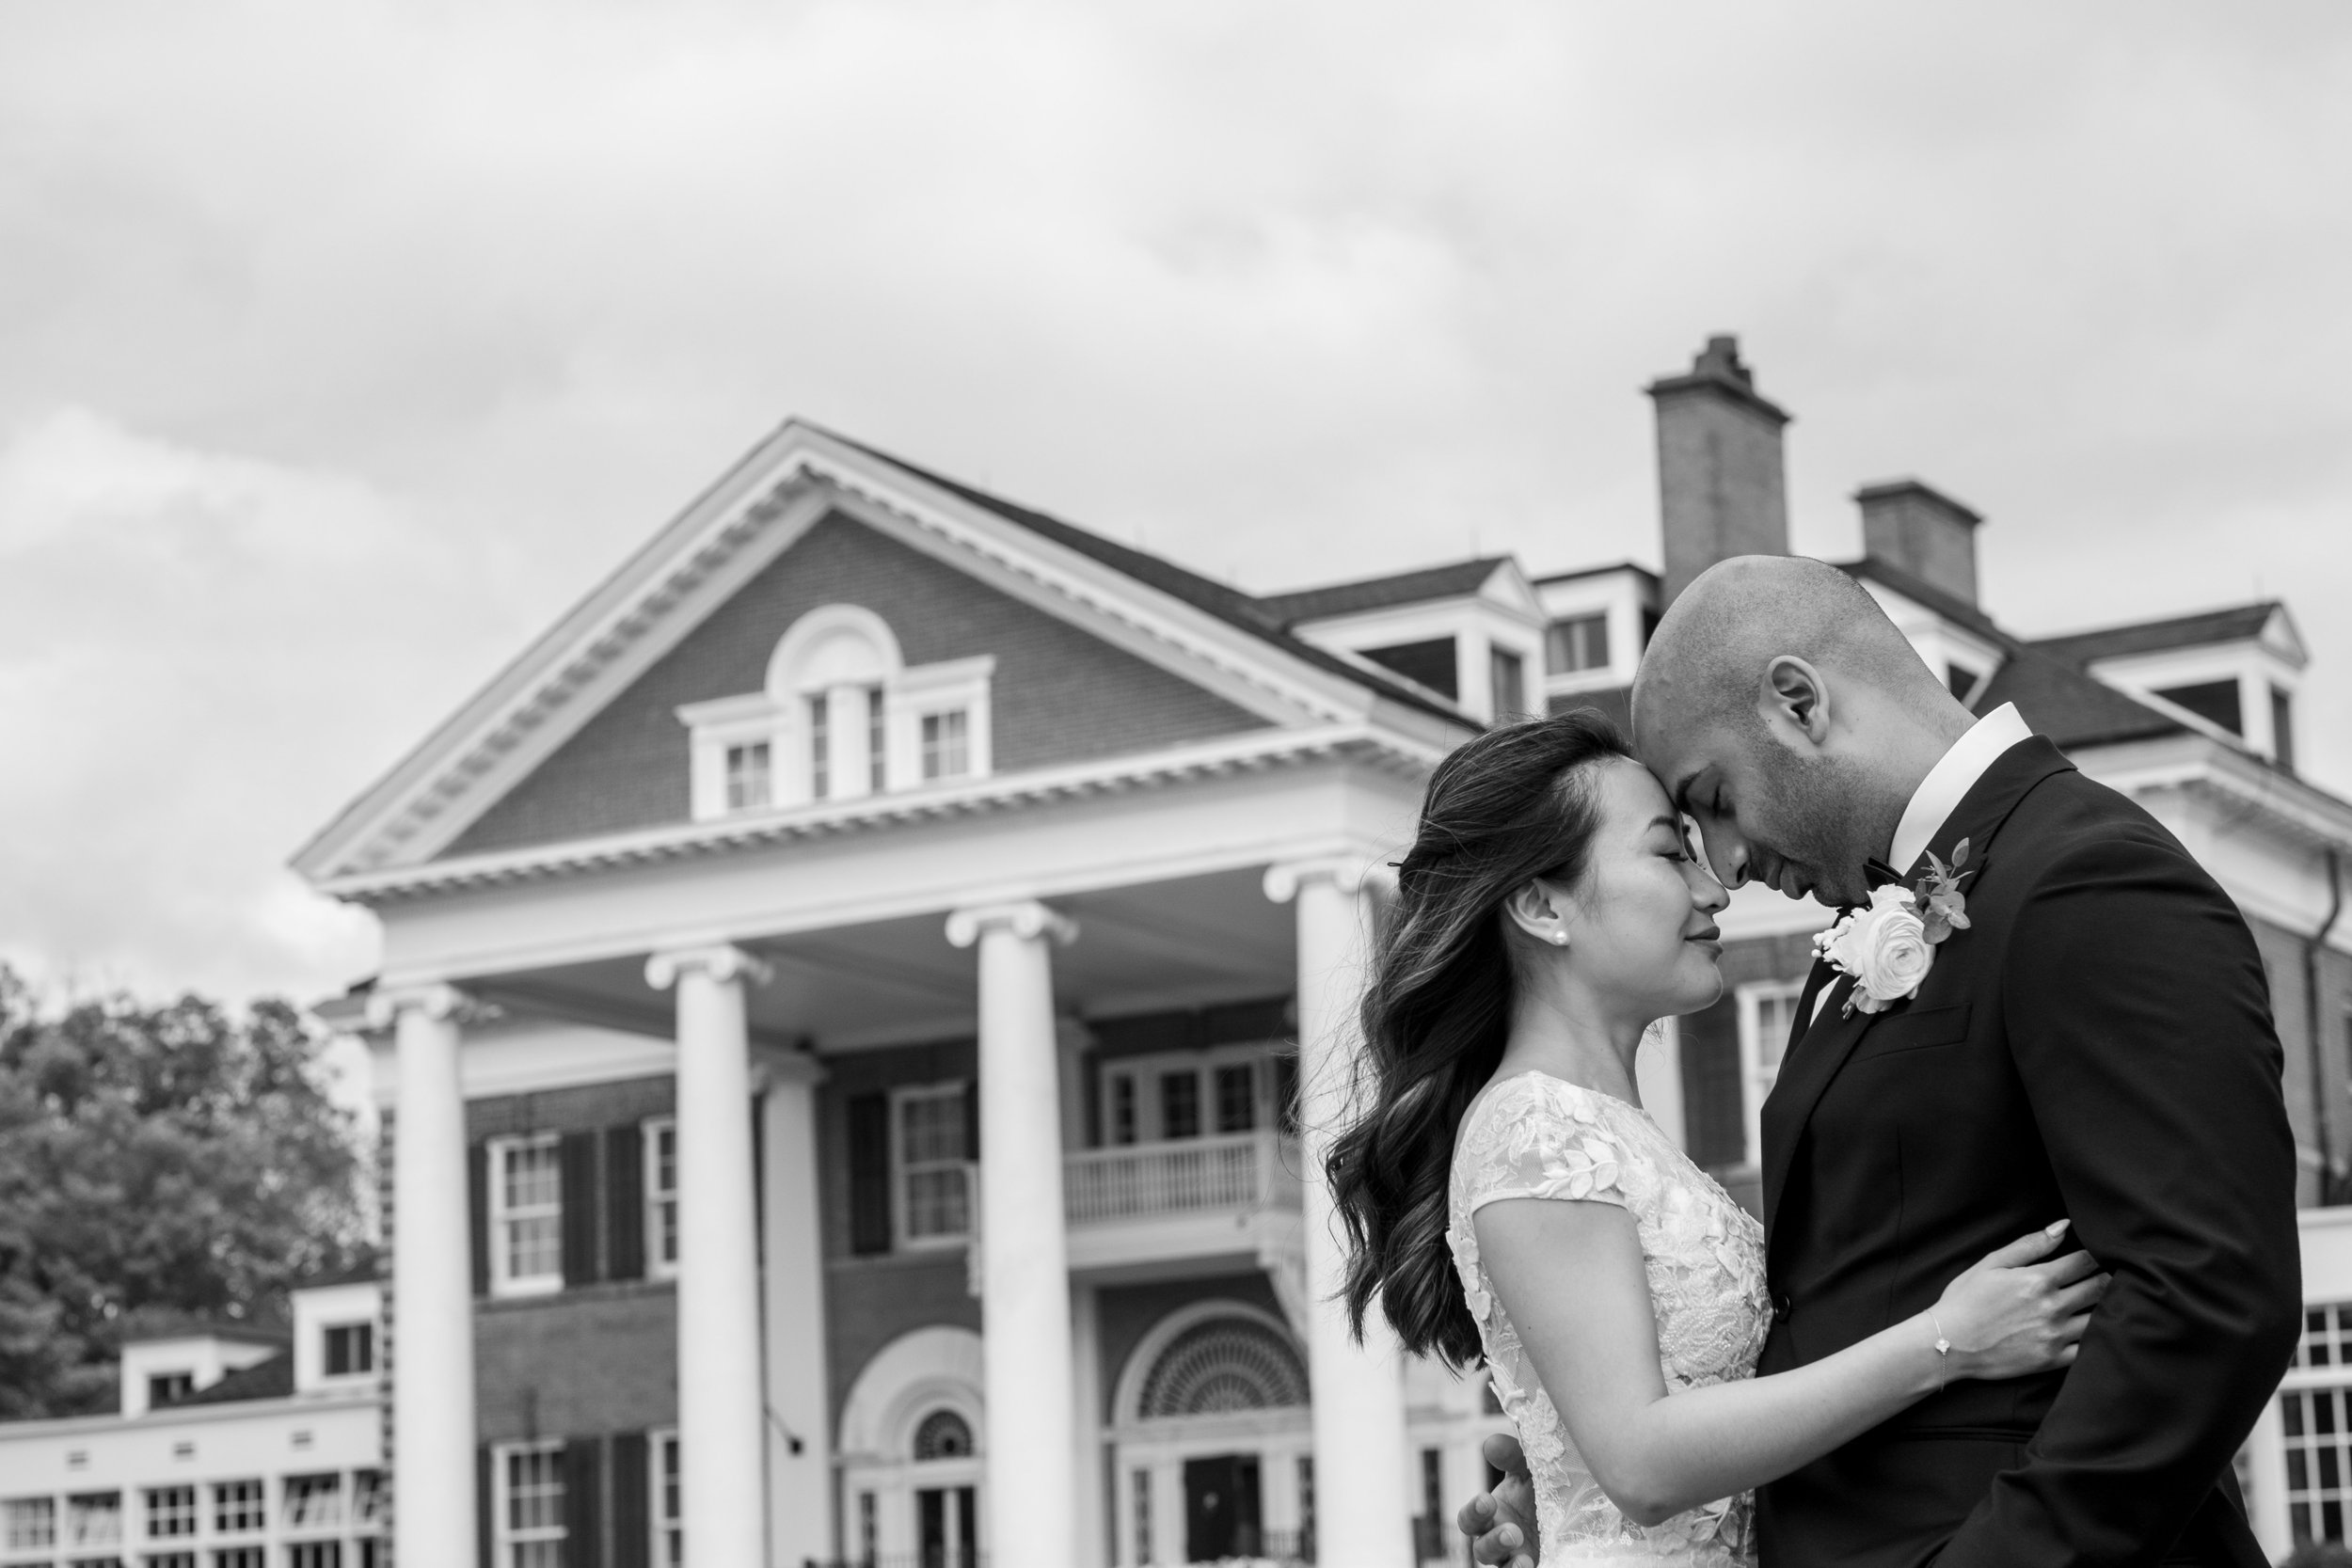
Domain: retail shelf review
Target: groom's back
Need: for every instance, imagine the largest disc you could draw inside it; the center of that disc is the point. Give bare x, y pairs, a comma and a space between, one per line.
2096, 1046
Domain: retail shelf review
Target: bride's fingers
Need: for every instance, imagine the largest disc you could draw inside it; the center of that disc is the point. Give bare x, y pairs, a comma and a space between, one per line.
2067, 1270
2025, 1249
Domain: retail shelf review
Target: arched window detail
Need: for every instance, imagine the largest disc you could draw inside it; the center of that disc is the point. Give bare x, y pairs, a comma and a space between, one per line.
1225, 1364
840, 716
943, 1434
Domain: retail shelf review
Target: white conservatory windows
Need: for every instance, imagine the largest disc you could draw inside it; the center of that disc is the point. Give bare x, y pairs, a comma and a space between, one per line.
528, 1517
842, 718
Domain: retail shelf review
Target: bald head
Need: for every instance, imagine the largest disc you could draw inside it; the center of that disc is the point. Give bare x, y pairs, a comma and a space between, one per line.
1706, 663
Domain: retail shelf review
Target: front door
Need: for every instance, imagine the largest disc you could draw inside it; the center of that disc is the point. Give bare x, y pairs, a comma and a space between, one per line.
1221, 1507
946, 1518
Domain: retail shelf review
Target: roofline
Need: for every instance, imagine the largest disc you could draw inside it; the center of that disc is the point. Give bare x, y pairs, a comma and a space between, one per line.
36, 1427
2053, 643
1251, 752
1633, 566
2320, 816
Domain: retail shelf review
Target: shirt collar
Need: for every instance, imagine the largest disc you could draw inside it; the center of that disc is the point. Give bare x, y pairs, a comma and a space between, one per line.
1939, 794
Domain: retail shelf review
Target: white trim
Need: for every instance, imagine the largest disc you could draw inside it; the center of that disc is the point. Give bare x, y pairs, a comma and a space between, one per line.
503, 1282
662, 1443
1251, 751
1127, 1399
901, 1234
504, 1536
651, 1195
1753, 1084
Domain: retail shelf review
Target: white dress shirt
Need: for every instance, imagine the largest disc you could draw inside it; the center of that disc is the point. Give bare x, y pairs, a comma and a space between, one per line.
1939, 794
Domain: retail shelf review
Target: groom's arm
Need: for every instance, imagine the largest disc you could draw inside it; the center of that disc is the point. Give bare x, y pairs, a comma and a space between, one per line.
2138, 1016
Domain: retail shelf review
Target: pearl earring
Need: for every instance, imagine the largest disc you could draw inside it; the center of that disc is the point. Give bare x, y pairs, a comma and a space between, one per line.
1559, 938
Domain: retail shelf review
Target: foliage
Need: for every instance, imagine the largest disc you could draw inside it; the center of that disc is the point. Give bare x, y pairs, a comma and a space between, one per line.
155, 1162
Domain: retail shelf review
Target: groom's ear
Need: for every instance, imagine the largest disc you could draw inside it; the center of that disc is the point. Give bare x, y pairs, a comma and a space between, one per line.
1797, 696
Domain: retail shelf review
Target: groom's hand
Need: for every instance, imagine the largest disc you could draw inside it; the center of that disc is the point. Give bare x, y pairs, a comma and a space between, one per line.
1501, 1523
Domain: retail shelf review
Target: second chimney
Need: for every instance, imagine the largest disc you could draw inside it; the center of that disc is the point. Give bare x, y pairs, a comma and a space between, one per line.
1722, 489
1921, 531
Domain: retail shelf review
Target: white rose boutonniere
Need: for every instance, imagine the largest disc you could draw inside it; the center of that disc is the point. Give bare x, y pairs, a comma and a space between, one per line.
1889, 946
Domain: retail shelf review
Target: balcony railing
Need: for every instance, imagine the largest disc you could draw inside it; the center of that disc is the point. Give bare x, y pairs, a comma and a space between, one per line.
1236, 1170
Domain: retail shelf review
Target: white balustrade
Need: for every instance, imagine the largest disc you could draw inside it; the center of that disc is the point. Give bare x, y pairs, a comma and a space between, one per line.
1234, 1170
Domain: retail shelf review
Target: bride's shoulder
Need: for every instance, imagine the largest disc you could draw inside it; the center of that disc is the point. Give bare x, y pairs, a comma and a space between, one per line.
1537, 1136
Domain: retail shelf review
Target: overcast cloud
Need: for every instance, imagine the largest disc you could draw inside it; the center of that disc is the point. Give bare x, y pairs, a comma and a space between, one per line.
342, 346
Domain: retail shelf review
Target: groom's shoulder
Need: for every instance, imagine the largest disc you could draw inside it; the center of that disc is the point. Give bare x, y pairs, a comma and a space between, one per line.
2072, 823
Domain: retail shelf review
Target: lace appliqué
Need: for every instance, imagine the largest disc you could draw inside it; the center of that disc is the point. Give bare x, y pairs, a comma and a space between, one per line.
1537, 1136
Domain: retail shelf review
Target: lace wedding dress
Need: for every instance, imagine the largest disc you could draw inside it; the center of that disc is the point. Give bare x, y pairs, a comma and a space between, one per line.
1533, 1135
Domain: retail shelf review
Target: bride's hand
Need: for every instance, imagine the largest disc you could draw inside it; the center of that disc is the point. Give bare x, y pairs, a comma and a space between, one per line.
2013, 1314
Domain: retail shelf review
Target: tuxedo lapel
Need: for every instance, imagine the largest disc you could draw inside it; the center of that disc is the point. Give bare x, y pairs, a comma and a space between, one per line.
1820, 1049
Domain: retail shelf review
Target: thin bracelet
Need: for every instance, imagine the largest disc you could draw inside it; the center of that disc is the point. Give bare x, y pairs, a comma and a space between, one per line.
1943, 1351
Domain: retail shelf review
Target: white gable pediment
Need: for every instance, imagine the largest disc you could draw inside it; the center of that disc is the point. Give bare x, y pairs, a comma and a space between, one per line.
755, 513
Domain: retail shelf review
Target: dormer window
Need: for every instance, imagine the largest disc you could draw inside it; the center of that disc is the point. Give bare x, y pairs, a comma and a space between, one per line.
842, 717
750, 772
1577, 644
2215, 701
947, 744
1506, 683
350, 1349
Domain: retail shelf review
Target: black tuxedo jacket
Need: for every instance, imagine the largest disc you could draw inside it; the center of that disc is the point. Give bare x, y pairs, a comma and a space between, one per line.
2097, 1046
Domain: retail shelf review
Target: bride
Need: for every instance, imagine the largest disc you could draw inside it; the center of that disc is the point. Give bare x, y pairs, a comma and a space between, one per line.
1505, 1197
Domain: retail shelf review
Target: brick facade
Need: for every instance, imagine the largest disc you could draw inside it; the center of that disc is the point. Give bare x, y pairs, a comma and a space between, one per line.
1059, 694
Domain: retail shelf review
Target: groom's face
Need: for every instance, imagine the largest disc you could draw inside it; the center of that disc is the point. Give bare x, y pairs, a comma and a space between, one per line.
1767, 812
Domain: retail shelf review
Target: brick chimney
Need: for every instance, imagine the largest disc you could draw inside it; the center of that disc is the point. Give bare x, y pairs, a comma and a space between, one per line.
1721, 488
1921, 531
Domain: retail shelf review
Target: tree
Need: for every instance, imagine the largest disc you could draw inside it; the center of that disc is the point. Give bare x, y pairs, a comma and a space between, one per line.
156, 1160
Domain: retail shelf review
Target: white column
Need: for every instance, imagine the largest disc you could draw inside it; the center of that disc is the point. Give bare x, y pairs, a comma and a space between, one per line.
1026, 1345
720, 1424
800, 1489
1363, 1488
433, 1414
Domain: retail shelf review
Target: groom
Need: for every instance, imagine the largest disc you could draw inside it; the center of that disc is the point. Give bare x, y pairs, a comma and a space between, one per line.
2096, 1045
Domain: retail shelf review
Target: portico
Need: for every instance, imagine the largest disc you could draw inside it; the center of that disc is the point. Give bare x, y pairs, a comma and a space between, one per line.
1180, 898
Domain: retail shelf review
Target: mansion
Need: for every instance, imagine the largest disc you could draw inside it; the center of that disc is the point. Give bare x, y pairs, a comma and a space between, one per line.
862, 996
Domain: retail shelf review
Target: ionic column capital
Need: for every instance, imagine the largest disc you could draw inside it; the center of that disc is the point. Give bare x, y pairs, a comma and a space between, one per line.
722, 961
1024, 918
1348, 873
434, 999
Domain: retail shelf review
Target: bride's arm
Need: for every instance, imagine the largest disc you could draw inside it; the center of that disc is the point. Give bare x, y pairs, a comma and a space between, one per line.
1570, 1275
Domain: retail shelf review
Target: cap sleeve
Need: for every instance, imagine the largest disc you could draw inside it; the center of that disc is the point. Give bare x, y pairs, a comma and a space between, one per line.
1538, 1137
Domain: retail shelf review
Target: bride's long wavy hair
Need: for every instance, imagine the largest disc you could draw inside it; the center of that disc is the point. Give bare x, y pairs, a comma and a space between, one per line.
1515, 804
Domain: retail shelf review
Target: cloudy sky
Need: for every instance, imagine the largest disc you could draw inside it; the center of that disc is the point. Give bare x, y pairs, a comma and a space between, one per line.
342, 345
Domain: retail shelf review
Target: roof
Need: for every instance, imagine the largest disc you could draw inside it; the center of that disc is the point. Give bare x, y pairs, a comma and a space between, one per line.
271, 1379
1634, 566
151, 1325
1941, 600
2059, 699
2237, 623
1227, 603
1453, 580
365, 1272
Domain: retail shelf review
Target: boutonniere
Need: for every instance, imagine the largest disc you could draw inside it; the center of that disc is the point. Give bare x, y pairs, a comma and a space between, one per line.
1889, 946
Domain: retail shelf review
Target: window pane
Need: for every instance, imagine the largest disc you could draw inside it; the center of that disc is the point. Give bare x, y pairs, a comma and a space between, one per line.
946, 746
1236, 1097
819, 746
29, 1522
748, 773
875, 770
1180, 1104
1578, 645
1122, 1108
1506, 683
936, 1202
532, 1176
932, 1127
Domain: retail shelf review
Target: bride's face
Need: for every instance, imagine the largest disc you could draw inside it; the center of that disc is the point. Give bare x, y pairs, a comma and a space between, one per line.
1641, 923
